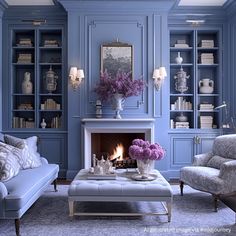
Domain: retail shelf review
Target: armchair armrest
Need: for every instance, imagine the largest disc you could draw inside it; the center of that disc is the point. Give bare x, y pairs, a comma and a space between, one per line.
44, 160
202, 159
228, 175
3, 191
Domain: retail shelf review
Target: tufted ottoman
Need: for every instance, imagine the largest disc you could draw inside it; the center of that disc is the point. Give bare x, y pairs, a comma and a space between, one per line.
123, 189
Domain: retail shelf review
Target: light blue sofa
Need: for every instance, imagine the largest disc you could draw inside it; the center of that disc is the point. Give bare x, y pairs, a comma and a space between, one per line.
19, 193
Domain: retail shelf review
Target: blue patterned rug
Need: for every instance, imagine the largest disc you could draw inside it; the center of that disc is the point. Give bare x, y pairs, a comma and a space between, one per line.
192, 215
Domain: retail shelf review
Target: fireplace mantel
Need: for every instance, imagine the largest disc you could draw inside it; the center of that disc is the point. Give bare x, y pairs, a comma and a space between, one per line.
91, 125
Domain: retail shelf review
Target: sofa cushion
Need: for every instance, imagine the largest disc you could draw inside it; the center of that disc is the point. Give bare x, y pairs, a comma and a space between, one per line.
202, 178
217, 161
29, 150
28, 183
9, 166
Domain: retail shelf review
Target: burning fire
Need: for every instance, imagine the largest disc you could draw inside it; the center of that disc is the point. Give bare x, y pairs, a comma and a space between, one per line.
118, 152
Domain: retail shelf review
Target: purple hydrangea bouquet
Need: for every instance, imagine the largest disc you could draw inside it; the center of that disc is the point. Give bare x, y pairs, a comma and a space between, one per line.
145, 153
142, 150
123, 84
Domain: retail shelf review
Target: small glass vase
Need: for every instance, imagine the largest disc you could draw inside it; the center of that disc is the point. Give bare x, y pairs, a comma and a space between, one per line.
118, 102
145, 167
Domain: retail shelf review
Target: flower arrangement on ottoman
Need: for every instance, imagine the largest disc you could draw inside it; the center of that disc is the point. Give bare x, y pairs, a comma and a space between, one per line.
145, 154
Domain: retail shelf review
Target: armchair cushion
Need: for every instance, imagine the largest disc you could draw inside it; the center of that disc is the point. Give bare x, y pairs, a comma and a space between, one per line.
202, 159
225, 146
202, 178
217, 161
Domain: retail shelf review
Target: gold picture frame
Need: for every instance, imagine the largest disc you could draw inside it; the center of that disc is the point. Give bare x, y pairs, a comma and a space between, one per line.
117, 56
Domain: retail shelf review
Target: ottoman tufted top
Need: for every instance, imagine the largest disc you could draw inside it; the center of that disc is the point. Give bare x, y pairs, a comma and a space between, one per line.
124, 185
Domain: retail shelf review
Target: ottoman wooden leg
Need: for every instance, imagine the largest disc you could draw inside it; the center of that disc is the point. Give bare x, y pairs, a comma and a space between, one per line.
168, 205
17, 227
71, 208
181, 185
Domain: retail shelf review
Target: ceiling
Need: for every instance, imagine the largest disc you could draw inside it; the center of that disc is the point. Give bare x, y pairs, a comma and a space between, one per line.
202, 2
181, 3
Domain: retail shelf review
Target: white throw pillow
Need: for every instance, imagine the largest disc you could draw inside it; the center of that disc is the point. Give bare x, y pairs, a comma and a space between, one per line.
29, 149
9, 166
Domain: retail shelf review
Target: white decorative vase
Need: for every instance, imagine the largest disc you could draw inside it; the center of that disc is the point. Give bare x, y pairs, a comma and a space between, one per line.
206, 86
43, 124
118, 101
145, 167
179, 59
27, 86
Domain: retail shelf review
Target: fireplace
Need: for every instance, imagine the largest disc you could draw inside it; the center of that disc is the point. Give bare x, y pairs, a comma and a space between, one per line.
102, 136
114, 146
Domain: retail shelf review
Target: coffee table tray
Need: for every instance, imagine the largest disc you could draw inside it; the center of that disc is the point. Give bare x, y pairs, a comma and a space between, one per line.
101, 177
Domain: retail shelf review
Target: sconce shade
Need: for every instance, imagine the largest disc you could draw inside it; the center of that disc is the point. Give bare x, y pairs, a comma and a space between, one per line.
73, 73
76, 76
156, 74
163, 72
80, 74
159, 76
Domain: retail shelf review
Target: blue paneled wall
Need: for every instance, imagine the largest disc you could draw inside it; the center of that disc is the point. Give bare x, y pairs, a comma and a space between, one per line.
140, 23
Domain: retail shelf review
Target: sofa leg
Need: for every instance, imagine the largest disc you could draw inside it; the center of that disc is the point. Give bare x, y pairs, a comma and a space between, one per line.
17, 227
216, 200
181, 185
55, 185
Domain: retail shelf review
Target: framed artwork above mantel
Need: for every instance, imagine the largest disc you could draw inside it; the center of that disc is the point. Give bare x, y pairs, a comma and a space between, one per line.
117, 56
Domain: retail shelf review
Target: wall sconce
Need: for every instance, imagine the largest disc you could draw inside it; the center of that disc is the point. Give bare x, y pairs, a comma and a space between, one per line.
159, 76
76, 76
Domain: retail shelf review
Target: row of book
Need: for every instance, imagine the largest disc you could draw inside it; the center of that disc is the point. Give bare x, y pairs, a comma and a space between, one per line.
181, 43
24, 58
56, 122
179, 124
50, 104
181, 104
20, 122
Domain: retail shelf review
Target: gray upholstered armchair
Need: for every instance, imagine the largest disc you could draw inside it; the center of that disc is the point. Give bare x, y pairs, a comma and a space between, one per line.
213, 172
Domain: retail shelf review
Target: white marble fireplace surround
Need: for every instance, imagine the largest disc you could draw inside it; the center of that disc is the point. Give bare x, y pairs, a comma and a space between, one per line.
90, 126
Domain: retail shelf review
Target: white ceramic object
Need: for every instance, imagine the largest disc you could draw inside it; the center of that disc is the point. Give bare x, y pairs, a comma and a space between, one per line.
118, 101
145, 167
179, 59
43, 124
206, 86
27, 86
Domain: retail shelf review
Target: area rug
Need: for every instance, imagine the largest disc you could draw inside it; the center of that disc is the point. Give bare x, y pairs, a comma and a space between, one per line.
192, 214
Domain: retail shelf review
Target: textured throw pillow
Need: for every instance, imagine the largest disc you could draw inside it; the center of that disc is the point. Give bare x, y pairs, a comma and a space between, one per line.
217, 161
29, 150
9, 166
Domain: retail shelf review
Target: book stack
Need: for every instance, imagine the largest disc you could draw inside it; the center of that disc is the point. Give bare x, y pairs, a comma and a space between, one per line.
50, 43
50, 104
206, 122
206, 107
207, 58
181, 43
24, 58
207, 43
182, 125
56, 122
25, 42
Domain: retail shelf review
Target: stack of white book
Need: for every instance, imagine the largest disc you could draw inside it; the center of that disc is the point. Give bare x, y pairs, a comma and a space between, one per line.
181, 43
182, 125
206, 107
207, 58
25, 42
207, 43
24, 58
206, 122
